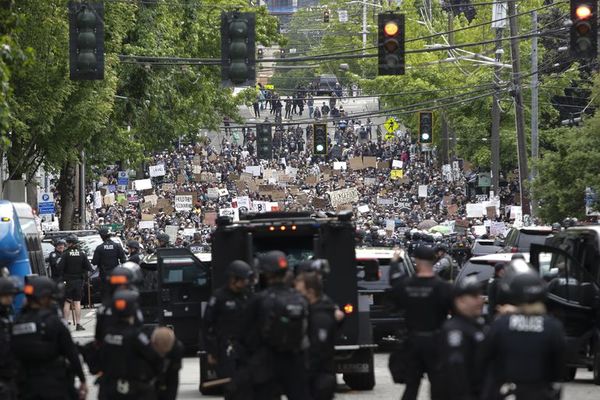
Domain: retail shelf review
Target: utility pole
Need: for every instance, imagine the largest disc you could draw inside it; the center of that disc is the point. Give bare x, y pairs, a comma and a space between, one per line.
534, 106
519, 116
82, 207
365, 31
445, 142
495, 139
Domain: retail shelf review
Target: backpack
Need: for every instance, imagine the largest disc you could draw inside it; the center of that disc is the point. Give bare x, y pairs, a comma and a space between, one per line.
287, 318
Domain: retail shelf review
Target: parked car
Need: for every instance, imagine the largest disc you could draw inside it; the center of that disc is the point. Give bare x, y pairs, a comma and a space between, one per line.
481, 247
384, 320
573, 277
518, 240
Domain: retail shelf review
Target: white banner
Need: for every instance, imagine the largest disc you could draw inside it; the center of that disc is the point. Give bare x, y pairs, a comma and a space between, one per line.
340, 165
157, 170
475, 210
253, 169
97, 200
212, 193
397, 164
423, 191
343, 196
363, 209
142, 184
146, 225
184, 202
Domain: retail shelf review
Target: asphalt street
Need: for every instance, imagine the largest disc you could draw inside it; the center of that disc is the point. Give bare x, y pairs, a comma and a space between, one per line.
581, 389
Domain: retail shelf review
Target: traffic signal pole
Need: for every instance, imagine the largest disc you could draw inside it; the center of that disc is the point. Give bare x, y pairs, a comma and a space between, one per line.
519, 115
534, 106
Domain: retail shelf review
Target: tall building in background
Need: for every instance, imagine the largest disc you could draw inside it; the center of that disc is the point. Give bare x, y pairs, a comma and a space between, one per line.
284, 9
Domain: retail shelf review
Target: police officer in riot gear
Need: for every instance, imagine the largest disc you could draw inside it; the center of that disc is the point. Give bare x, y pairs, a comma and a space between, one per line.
43, 346
322, 328
222, 331
124, 277
525, 350
8, 367
54, 259
462, 339
129, 364
196, 246
134, 251
427, 300
74, 265
276, 334
106, 257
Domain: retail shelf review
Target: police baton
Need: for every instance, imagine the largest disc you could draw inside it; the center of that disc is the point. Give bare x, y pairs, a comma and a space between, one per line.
215, 383
89, 291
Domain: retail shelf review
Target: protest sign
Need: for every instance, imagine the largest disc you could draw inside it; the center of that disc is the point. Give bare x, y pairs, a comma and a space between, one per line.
146, 225
212, 193
423, 191
259, 206
452, 209
403, 203
109, 199
168, 187
475, 210
243, 203
319, 203
370, 181
231, 213
210, 218
491, 212
291, 171
152, 199
255, 170
397, 164
147, 217
479, 230
172, 230
245, 177
356, 163
142, 184
97, 199
223, 192
370, 162
390, 225
363, 209
156, 170
340, 165
497, 228
343, 196
311, 180
196, 169
183, 203
396, 174
181, 179
382, 201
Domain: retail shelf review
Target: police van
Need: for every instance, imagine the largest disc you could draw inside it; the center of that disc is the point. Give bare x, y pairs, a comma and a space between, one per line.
302, 236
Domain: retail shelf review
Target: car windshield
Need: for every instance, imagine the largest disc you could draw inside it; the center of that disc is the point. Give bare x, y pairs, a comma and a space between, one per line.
297, 249
526, 239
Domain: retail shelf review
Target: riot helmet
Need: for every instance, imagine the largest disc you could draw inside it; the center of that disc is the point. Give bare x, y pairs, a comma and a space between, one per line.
274, 261
38, 287
125, 303
8, 286
240, 269
136, 272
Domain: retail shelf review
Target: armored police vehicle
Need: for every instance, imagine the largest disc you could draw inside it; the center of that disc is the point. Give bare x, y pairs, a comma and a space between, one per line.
573, 277
303, 236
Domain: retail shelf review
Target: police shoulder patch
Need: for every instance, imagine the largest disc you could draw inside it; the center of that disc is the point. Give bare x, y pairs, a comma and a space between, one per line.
24, 329
454, 338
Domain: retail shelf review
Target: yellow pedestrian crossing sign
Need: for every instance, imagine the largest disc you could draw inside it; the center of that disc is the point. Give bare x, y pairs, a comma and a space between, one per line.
391, 125
389, 136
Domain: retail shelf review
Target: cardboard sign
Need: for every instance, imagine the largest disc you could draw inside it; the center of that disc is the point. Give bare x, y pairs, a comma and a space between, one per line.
491, 212
370, 181
196, 169
156, 170
343, 196
383, 165
168, 187
369, 162
245, 177
452, 209
291, 171
172, 230
356, 163
151, 199
184, 203
142, 184
109, 199
180, 179
210, 218
462, 223
213, 157
396, 174
147, 217
319, 203
311, 180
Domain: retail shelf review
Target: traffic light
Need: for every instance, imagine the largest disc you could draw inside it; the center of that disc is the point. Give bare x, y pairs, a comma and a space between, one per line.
320, 139
264, 141
86, 41
326, 16
391, 44
426, 127
584, 30
238, 49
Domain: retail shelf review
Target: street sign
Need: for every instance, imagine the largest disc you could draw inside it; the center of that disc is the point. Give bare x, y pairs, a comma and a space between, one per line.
391, 125
343, 15
46, 204
122, 178
389, 136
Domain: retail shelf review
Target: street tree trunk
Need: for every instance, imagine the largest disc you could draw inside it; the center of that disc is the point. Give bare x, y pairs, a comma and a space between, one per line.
66, 189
